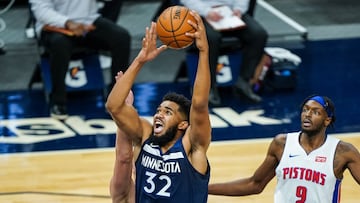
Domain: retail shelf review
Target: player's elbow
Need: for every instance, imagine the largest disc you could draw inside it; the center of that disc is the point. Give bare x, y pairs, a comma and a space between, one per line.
257, 188
200, 105
112, 107
199, 101
124, 157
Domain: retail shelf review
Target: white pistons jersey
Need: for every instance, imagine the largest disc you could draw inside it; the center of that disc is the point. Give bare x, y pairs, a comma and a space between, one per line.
307, 178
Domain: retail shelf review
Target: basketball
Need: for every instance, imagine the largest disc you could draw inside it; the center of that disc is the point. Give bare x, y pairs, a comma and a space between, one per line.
172, 25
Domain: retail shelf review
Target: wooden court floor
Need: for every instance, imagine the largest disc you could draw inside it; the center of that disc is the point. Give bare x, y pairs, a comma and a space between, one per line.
83, 175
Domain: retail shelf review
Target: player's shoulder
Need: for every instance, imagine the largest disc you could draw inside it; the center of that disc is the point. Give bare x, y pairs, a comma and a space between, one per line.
277, 146
280, 138
345, 148
279, 141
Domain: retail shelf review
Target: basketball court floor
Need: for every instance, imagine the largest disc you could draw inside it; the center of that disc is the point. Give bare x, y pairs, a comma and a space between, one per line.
46, 160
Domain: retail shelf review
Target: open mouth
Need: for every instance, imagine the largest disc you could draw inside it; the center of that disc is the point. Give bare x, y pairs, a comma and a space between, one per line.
307, 123
158, 126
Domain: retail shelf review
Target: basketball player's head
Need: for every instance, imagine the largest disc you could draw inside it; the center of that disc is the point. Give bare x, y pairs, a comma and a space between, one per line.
171, 118
317, 112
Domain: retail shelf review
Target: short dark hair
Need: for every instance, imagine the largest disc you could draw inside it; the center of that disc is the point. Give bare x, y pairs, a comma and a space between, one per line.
329, 106
183, 102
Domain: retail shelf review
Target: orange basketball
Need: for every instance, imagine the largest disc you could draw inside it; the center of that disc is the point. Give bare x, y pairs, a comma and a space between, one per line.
172, 25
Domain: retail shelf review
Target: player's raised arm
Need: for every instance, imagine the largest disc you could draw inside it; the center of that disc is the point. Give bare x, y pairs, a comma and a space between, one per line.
200, 129
126, 116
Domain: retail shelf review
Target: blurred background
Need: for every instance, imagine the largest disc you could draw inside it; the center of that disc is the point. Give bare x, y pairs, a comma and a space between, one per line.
287, 22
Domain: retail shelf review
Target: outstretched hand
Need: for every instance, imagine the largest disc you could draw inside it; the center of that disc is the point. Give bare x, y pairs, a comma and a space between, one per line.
200, 34
149, 49
130, 98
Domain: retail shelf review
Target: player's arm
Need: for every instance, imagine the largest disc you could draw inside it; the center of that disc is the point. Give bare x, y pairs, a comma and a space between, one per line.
198, 134
352, 158
122, 187
126, 116
258, 181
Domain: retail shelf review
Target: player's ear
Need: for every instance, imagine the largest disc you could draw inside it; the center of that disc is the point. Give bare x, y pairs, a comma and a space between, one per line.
183, 125
327, 121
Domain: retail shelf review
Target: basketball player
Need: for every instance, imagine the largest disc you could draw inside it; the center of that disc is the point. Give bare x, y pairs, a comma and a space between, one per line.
308, 165
170, 154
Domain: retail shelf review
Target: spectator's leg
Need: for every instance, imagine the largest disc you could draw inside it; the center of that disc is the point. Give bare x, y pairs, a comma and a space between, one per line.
59, 48
111, 10
254, 38
114, 38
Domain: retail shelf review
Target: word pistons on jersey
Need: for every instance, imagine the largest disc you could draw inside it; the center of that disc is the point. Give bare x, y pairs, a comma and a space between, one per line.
304, 174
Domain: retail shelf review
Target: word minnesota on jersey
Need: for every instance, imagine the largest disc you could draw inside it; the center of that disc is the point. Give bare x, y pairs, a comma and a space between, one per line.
160, 165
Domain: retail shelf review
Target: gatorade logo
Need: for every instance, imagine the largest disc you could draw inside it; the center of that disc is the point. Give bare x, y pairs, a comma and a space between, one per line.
76, 75
224, 73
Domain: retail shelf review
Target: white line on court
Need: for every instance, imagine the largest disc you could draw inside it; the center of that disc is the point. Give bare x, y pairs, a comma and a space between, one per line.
282, 16
111, 149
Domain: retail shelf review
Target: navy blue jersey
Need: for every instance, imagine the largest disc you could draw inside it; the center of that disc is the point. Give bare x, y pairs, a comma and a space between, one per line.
168, 177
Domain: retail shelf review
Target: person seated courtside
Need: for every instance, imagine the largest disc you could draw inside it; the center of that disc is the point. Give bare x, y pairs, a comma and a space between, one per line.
88, 29
253, 39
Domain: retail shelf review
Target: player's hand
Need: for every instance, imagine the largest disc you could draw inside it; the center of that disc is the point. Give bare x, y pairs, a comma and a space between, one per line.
200, 34
149, 49
130, 98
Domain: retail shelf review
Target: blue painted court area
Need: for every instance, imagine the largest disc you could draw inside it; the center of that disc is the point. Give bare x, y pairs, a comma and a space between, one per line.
328, 68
